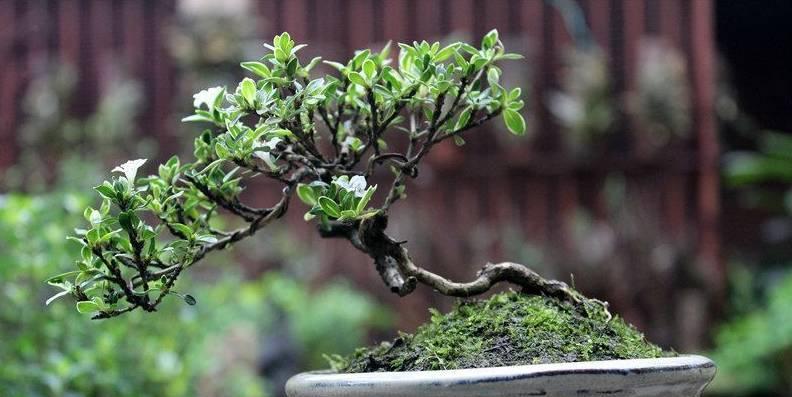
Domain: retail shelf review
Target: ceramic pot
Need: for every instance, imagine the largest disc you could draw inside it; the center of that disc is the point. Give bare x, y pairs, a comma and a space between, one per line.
683, 376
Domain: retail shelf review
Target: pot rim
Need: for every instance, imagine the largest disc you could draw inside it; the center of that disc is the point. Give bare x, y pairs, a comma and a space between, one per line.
682, 364
636, 365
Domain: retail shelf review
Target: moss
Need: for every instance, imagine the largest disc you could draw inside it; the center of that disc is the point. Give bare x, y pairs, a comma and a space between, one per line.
509, 328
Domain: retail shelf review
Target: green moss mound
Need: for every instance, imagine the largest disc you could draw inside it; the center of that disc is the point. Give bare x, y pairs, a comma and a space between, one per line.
509, 328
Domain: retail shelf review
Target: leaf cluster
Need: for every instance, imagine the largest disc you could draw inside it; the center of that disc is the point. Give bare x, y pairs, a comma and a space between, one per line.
320, 137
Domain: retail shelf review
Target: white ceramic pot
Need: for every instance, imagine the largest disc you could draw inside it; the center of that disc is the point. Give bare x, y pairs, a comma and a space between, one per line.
684, 376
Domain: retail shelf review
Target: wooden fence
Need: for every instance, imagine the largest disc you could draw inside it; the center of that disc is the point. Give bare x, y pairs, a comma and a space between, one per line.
463, 212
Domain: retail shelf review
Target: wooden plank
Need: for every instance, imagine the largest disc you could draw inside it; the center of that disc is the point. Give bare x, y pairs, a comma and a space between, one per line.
37, 18
331, 37
267, 12
68, 26
461, 17
295, 19
598, 16
360, 26
428, 20
702, 56
162, 82
496, 16
670, 21
132, 37
101, 49
633, 33
396, 14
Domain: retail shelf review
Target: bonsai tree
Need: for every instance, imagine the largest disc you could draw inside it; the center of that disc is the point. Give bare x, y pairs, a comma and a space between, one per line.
320, 139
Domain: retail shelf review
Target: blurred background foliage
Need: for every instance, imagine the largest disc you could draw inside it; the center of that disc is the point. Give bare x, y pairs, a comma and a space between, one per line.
754, 348
270, 326
247, 334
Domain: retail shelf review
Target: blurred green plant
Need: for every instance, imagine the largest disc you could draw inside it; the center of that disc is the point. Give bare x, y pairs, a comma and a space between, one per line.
770, 165
50, 134
55, 353
754, 350
661, 102
584, 106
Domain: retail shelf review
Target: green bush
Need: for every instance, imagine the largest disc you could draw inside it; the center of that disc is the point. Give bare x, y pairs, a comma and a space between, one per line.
754, 350
58, 352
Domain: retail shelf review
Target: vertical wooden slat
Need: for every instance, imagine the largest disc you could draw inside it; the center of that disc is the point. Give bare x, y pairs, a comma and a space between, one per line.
703, 72
101, 42
69, 43
162, 84
598, 12
359, 26
461, 16
670, 21
8, 82
675, 185
395, 12
295, 19
331, 37
428, 20
267, 11
37, 17
633, 33
496, 16
132, 36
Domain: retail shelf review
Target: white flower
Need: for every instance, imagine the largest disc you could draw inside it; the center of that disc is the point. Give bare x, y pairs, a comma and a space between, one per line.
266, 155
129, 169
207, 97
355, 185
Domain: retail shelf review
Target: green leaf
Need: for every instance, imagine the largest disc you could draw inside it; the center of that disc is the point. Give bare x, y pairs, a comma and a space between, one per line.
514, 122
445, 53
493, 75
222, 151
511, 56
107, 191
206, 239
190, 300
347, 214
369, 69
390, 76
56, 296
306, 194
360, 56
515, 94
87, 307
458, 140
490, 39
329, 206
338, 66
365, 199
125, 220
183, 229
248, 90
257, 68
197, 118
60, 280
463, 119
357, 78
